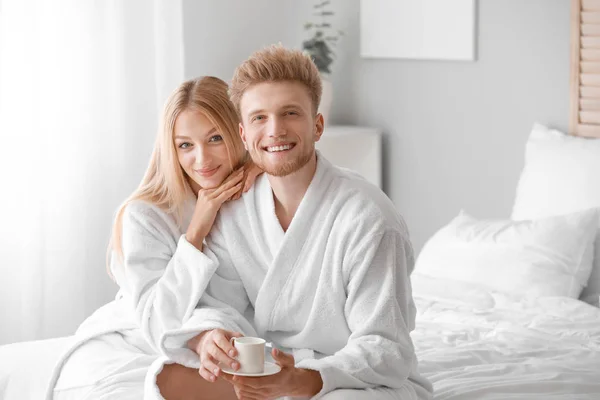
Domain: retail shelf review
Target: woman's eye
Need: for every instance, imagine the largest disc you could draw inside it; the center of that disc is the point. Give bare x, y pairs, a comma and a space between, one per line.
216, 138
259, 118
185, 145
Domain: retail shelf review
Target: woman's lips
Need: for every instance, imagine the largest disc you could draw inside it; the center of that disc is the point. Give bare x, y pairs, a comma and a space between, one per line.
206, 172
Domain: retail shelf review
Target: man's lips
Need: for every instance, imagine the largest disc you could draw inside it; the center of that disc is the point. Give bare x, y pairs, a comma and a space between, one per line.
279, 147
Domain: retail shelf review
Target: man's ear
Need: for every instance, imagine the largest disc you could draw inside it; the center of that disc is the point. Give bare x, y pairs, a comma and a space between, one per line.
243, 135
319, 126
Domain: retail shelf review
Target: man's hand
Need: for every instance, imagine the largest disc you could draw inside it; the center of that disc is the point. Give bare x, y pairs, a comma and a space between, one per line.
214, 347
291, 381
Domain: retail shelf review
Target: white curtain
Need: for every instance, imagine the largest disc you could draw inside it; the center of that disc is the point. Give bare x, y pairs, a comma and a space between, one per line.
81, 86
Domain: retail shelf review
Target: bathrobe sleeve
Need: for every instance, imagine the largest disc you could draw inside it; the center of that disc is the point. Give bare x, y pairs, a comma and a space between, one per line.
380, 314
161, 275
222, 304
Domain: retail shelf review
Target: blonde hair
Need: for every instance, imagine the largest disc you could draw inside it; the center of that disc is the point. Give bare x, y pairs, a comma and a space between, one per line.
276, 64
165, 183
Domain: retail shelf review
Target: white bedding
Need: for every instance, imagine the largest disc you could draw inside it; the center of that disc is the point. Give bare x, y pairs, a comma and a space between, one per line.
26, 368
474, 344
471, 344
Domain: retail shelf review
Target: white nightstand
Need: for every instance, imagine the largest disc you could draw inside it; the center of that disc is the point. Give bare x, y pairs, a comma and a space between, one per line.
354, 147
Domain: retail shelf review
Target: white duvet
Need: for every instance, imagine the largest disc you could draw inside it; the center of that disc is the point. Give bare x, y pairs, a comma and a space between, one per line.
474, 344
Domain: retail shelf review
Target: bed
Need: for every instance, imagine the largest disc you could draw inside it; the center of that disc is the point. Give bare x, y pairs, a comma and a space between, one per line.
509, 309
27, 367
474, 344
489, 325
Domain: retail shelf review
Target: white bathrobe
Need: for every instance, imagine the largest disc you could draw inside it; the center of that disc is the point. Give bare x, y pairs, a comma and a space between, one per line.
119, 350
333, 289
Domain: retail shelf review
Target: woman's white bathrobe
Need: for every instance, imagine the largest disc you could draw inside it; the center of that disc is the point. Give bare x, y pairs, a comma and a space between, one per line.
119, 350
333, 290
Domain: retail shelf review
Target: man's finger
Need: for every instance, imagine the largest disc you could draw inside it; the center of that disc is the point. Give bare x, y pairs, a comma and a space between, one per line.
246, 395
250, 392
283, 359
227, 377
256, 384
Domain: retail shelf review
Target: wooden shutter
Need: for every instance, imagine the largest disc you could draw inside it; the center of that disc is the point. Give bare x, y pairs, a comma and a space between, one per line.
585, 68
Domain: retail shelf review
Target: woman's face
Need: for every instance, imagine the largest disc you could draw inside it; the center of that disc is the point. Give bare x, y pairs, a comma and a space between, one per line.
201, 150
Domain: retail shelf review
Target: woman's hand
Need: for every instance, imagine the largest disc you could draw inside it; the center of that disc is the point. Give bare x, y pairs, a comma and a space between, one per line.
214, 348
251, 172
208, 205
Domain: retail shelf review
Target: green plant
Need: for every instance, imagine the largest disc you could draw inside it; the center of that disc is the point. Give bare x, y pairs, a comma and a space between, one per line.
323, 37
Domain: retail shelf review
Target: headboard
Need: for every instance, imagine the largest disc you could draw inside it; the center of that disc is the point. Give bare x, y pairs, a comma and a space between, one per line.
584, 118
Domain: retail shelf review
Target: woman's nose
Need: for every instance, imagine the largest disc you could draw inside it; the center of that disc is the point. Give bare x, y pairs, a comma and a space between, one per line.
202, 156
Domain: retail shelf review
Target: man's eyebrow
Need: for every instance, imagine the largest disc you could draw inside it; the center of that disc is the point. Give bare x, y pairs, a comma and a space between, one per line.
258, 111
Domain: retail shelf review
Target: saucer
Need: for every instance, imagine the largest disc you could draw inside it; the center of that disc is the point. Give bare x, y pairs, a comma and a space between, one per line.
270, 369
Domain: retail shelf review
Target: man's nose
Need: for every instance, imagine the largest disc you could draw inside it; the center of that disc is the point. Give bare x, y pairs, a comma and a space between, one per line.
277, 127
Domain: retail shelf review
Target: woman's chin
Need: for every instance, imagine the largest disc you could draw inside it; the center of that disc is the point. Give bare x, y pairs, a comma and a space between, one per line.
208, 183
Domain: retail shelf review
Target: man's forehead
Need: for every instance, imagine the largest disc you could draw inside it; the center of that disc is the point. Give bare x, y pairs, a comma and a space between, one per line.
272, 95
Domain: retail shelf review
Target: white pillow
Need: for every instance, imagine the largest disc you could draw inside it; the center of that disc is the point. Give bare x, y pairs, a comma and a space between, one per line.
546, 257
561, 175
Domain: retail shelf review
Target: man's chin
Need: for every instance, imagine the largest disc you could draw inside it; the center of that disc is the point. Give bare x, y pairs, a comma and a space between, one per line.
282, 168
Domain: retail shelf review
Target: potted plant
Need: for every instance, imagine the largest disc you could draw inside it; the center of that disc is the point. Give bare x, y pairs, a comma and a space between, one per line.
320, 45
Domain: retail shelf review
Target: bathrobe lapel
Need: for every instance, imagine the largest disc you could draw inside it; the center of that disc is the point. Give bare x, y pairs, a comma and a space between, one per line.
284, 247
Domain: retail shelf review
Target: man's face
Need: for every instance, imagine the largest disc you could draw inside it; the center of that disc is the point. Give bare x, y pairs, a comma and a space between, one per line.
278, 126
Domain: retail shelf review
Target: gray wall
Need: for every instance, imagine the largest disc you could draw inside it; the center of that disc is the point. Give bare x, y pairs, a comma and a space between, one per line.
454, 131
220, 34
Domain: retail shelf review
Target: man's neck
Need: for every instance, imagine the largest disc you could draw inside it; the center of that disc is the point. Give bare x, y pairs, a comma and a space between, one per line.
289, 190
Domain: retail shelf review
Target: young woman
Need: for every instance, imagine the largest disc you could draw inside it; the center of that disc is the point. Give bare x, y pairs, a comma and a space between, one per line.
199, 162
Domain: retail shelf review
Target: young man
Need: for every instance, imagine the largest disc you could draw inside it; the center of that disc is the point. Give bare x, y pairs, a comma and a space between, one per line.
314, 257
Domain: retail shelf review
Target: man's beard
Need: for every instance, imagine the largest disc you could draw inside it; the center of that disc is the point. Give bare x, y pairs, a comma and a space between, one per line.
287, 168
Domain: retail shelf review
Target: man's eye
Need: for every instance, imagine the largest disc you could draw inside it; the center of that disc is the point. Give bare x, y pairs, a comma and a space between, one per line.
259, 117
292, 113
216, 138
185, 145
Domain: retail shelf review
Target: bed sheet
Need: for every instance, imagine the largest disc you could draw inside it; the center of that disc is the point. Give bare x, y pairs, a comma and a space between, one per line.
26, 367
475, 344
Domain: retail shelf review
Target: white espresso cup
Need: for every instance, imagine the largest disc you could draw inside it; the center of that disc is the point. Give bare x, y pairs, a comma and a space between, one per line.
251, 354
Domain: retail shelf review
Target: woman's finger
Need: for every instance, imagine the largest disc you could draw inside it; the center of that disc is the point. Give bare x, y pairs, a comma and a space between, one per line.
204, 373
250, 179
219, 355
230, 193
227, 184
211, 366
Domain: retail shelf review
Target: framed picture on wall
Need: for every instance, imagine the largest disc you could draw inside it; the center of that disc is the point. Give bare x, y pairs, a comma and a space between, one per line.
418, 29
